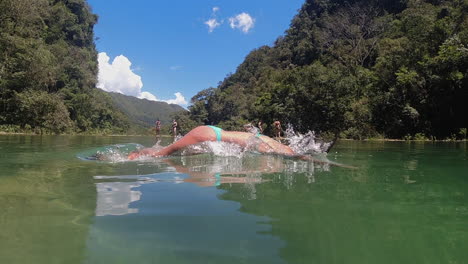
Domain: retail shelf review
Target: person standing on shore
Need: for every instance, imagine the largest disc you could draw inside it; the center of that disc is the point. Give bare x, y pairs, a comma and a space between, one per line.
277, 128
174, 128
157, 128
260, 126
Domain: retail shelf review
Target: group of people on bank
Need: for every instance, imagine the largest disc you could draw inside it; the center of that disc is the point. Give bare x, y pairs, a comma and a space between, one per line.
157, 128
277, 129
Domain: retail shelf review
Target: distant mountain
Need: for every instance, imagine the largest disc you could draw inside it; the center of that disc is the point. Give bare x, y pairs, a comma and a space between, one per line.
144, 112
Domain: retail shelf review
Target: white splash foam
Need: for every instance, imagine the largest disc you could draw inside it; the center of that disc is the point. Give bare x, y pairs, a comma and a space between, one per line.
222, 149
305, 143
113, 153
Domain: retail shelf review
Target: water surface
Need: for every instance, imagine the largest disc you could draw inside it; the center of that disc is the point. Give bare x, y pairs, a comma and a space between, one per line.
406, 203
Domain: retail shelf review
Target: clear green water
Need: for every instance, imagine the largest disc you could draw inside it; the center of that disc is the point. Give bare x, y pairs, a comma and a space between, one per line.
407, 203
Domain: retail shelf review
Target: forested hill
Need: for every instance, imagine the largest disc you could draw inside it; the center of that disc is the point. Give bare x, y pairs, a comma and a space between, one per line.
357, 68
48, 69
144, 112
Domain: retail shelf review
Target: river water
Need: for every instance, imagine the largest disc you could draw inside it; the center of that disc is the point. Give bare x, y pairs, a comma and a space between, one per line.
405, 203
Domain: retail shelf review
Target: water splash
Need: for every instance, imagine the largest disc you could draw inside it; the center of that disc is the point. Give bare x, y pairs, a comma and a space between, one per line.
112, 153
302, 144
221, 149
307, 143
251, 128
157, 145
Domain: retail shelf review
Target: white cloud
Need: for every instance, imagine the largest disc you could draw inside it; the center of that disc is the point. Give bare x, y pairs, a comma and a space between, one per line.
212, 24
147, 96
243, 21
119, 77
180, 99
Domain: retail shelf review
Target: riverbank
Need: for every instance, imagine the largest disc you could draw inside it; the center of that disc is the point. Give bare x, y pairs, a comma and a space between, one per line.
170, 136
406, 140
81, 134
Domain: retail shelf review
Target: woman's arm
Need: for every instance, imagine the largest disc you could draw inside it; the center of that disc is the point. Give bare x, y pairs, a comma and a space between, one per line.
196, 135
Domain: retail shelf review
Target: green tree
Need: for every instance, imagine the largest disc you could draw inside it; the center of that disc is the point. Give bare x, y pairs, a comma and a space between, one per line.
47, 51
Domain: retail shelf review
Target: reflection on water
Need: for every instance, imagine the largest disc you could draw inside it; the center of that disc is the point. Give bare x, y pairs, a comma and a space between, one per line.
406, 203
114, 198
174, 216
177, 214
116, 193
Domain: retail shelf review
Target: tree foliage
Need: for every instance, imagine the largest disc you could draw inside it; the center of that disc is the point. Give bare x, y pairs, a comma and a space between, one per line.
48, 68
355, 68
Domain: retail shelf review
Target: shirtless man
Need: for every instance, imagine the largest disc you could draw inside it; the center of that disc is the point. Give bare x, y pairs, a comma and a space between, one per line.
174, 128
277, 125
157, 128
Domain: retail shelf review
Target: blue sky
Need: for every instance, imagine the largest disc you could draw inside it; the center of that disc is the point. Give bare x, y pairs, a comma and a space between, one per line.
155, 49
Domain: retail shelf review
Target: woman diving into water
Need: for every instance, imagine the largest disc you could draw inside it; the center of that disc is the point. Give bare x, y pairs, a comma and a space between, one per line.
257, 142
247, 140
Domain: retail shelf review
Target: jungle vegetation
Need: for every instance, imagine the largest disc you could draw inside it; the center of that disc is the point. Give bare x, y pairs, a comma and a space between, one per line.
356, 69
48, 70
351, 68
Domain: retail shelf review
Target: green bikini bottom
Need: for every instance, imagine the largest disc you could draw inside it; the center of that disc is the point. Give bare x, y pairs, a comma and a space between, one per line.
217, 130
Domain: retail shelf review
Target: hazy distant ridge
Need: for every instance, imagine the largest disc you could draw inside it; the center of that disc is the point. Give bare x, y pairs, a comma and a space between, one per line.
144, 112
